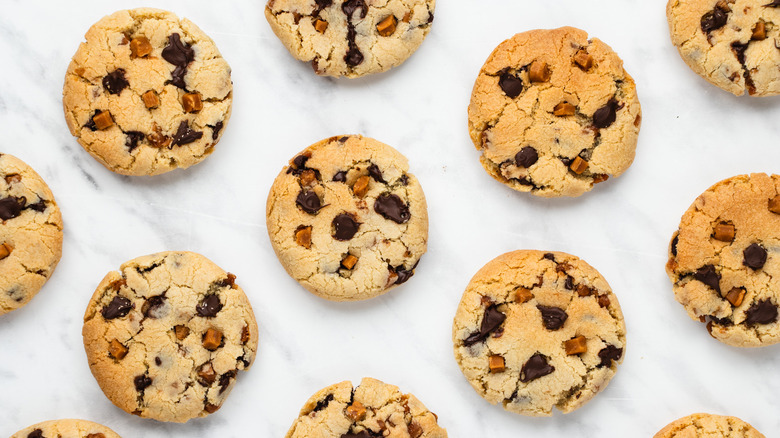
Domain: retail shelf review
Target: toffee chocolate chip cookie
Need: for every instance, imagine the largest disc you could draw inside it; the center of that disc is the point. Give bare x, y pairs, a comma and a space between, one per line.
554, 112
724, 261
538, 330
351, 38
347, 219
30, 233
167, 335
66, 429
730, 43
147, 92
371, 409
708, 426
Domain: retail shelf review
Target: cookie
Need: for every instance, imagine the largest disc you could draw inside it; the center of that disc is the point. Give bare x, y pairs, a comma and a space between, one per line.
554, 113
708, 426
538, 330
347, 219
724, 261
371, 409
30, 233
730, 43
351, 38
66, 429
147, 92
167, 335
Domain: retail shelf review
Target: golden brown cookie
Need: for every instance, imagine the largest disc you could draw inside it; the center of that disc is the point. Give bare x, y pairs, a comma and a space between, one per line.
708, 426
66, 429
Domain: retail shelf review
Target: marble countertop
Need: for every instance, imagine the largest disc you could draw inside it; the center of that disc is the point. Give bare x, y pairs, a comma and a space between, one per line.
692, 136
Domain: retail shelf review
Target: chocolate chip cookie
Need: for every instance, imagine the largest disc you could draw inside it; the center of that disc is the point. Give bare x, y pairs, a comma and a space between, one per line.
147, 92
707, 426
167, 335
730, 43
538, 330
371, 409
351, 38
66, 429
30, 233
347, 219
724, 261
553, 113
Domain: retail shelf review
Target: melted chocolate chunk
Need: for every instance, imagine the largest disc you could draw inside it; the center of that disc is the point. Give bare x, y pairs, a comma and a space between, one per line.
11, 207
674, 244
709, 276
350, 6
606, 115
510, 84
142, 382
180, 55
739, 51
608, 354
300, 161
215, 131
39, 206
132, 139
345, 226
353, 57
714, 19
391, 207
322, 404
309, 201
375, 173
536, 367
549, 256
492, 320
402, 273
340, 176
115, 81
152, 305
404, 179
553, 317
209, 306
526, 157
361, 434
37, 433
774, 4
762, 312
117, 308
755, 256
224, 380
322, 4
185, 135
177, 77
569, 283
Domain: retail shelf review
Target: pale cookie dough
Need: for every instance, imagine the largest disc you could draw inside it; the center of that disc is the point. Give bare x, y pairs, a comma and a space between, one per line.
538, 330
724, 261
30, 233
347, 219
554, 112
66, 429
708, 426
167, 335
731, 43
369, 410
351, 38
147, 92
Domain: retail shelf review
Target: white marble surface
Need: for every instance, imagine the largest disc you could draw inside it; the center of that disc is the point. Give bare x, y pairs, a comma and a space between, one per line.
692, 136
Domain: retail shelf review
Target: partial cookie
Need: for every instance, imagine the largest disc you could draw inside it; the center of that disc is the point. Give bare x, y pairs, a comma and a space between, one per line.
351, 38
147, 92
554, 112
371, 409
730, 43
30, 233
538, 330
167, 335
66, 429
347, 219
724, 261
708, 426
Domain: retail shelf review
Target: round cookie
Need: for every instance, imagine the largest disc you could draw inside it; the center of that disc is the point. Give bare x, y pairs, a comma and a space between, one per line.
554, 112
147, 92
538, 330
167, 335
371, 409
30, 233
66, 429
724, 261
730, 43
708, 426
351, 38
347, 219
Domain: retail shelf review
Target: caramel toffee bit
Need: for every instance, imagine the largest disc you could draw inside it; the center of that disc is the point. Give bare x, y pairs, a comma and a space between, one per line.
101, 120
117, 350
5, 250
564, 109
578, 165
523, 295
539, 72
349, 261
320, 25
576, 345
191, 102
356, 411
724, 232
303, 236
181, 332
360, 188
583, 60
496, 364
140, 47
774, 205
735, 296
212, 339
387, 26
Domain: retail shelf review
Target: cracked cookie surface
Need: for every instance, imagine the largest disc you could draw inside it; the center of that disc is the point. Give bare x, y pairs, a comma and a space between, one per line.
346, 218
30, 233
724, 261
371, 409
147, 92
351, 38
554, 113
538, 330
66, 429
167, 335
733, 44
708, 425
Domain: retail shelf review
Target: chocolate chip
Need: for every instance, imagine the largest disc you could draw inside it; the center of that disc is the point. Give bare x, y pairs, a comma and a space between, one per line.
224, 380
569, 283
37, 433
115, 81
345, 226
526, 157
553, 317
491, 320
39, 206
774, 4
762, 312
91, 122
402, 273
142, 382
510, 84
739, 50
340, 176
755, 256
375, 173
606, 115
309, 201
391, 207
549, 256
11, 207
350, 6
709, 276
157, 361
151, 307
322, 404
300, 161
132, 139
714, 19
322, 4
404, 179
216, 129
176, 52
608, 354
117, 308
353, 56
209, 306
185, 135
674, 244
536, 367
361, 434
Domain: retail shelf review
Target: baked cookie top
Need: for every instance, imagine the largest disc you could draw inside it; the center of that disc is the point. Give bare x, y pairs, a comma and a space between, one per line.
347, 219
30, 233
538, 330
554, 112
708, 426
371, 409
147, 92
730, 43
351, 38
723, 260
167, 334
66, 429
